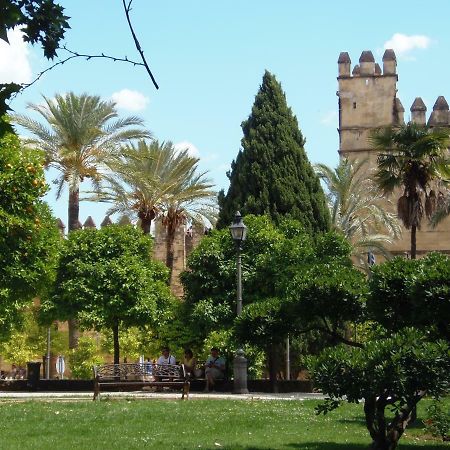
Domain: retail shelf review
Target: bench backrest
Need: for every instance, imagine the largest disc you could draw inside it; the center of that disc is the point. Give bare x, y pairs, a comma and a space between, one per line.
126, 371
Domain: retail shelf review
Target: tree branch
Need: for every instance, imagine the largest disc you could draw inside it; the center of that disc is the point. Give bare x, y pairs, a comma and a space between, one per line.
340, 338
127, 10
73, 55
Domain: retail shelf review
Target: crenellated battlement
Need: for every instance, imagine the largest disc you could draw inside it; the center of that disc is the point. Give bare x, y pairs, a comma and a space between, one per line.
367, 65
367, 101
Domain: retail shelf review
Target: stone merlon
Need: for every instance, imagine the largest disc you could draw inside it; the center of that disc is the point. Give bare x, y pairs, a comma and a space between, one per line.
106, 221
418, 105
356, 70
89, 223
366, 56
399, 106
344, 58
441, 104
389, 55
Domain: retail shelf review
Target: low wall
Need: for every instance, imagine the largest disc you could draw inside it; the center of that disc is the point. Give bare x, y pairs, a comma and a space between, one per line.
196, 385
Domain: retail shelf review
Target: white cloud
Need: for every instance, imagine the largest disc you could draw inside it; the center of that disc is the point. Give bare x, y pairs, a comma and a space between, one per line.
191, 148
14, 57
403, 44
130, 100
329, 118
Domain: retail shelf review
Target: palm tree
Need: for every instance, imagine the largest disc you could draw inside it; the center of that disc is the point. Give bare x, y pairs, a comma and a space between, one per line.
83, 133
151, 180
357, 208
191, 200
411, 157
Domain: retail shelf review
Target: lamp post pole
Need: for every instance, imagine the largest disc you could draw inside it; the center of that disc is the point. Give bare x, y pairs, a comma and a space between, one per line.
239, 232
239, 280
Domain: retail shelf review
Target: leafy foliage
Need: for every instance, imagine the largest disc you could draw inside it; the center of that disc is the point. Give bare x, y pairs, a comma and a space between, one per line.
271, 259
357, 208
40, 21
438, 420
271, 174
412, 293
106, 278
83, 133
82, 358
29, 238
393, 373
411, 157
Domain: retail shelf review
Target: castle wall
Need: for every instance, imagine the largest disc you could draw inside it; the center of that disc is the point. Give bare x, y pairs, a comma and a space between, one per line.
367, 100
179, 257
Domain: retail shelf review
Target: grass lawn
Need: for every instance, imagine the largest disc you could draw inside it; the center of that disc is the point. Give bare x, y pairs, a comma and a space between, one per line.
205, 423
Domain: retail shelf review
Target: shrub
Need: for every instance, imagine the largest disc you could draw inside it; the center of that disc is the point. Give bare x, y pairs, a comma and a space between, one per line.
82, 358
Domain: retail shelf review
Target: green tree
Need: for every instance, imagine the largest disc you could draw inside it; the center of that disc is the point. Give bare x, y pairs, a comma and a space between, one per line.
29, 239
406, 354
151, 180
411, 158
393, 373
272, 174
357, 208
84, 132
106, 278
272, 257
412, 293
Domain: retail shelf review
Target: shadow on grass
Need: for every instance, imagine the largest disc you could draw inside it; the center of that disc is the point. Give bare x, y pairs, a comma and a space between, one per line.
417, 425
333, 446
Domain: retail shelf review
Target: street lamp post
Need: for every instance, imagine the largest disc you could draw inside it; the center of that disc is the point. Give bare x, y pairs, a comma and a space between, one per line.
239, 233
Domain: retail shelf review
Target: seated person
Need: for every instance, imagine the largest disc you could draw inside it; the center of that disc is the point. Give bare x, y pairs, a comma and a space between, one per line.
189, 363
214, 369
165, 359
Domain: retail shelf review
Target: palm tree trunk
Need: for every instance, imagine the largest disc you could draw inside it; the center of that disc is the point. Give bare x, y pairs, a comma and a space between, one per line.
146, 225
169, 250
413, 241
73, 211
73, 217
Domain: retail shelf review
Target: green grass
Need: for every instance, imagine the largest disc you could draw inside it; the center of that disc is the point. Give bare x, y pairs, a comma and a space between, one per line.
206, 424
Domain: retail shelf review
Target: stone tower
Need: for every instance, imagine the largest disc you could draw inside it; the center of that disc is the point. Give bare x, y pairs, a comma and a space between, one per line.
368, 100
186, 239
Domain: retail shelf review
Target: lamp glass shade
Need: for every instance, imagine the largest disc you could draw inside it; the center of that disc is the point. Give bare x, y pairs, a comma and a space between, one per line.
238, 229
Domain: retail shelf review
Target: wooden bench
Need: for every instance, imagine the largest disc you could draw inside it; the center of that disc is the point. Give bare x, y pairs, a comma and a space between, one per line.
137, 375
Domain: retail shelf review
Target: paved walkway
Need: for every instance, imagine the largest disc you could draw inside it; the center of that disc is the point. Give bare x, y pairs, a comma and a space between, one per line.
68, 396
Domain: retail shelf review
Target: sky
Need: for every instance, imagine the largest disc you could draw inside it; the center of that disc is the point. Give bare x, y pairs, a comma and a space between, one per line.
209, 58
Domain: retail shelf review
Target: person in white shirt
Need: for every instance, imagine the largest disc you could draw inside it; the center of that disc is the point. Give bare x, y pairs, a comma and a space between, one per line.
214, 369
166, 357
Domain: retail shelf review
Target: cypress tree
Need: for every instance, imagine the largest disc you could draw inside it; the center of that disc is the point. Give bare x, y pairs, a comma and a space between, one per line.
272, 174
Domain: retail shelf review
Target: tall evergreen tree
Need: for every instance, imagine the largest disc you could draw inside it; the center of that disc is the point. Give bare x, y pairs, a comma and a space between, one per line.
272, 174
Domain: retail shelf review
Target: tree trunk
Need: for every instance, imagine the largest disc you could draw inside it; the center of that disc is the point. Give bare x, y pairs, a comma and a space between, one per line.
73, 217
115, 329
169, 250
413, 241
73, 211
146, 225
272, 359
74, 334
385, 436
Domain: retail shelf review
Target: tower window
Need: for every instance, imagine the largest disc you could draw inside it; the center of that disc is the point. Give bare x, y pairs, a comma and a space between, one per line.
354, 105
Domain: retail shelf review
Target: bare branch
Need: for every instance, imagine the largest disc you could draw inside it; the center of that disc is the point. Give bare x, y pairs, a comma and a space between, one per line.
127, 10
74, 55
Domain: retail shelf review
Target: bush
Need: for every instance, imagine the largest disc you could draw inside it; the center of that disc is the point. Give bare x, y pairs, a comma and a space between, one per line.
82, 358
438, 421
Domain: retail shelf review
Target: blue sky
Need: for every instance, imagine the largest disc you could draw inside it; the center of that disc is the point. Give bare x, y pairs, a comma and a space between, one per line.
209, 58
